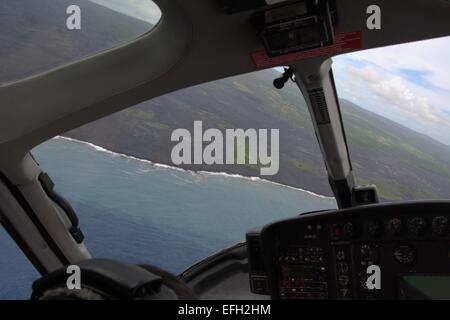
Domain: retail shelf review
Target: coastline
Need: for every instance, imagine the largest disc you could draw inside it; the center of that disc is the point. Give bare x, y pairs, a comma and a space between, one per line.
213, 173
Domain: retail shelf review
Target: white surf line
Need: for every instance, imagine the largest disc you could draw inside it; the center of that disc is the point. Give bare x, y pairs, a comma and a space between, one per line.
101, 149
212, 173
258, 179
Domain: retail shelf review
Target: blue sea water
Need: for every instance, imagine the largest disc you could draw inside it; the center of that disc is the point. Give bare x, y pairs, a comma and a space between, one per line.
140, 212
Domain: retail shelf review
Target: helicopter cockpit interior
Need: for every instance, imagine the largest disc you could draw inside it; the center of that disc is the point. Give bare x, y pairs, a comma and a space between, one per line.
365, 249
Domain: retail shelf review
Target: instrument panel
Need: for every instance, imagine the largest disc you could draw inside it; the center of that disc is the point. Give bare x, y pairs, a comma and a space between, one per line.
381, 251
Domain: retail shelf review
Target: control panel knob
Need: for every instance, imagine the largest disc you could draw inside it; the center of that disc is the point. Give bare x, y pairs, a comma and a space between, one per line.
374, 228
343, 280
363, 282
417, 226
440, 225
405, 254
395, 226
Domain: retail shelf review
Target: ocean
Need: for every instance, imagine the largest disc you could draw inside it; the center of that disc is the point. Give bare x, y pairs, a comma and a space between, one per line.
140, 212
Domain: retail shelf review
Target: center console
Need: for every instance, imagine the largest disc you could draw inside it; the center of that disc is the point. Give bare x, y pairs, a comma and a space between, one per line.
381, 251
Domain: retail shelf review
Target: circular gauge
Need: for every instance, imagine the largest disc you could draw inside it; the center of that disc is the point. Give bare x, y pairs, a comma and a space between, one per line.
440, 225
374, 228
395, 226
405, 254
417, 226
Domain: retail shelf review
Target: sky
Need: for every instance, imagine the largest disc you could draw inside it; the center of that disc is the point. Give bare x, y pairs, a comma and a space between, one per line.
145, 10
407, 83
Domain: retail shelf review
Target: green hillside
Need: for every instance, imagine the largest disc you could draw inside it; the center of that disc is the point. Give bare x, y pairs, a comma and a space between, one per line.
402, 163
34, 37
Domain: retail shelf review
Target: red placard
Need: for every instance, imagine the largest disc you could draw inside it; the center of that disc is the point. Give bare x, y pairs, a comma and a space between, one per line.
343, 42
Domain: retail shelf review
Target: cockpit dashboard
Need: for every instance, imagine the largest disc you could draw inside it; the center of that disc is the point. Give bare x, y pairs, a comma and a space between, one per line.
380, 251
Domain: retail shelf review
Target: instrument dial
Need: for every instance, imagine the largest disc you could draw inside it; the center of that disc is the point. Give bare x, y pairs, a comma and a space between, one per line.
405, 254
374, 228
440, 225
395, 226
417, 226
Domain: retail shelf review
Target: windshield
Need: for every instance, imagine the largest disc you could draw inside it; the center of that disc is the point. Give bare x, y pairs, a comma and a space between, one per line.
39, 35
138, 202
395, 104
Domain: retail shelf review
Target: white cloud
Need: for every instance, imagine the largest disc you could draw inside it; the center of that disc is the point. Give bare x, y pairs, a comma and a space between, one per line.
368, 74
397, 94
408, 83
431, 55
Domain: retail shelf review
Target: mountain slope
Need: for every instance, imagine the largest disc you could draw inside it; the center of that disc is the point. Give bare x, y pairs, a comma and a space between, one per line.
34, 36
403, 163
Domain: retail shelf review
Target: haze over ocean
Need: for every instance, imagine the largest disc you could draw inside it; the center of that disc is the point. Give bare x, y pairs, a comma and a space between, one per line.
139, 212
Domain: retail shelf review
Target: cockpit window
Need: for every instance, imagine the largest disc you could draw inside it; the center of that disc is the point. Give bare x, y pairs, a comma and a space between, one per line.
395, 103
137, 202
40, 35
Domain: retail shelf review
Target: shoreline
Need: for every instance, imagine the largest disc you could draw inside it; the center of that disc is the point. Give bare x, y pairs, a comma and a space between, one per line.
213, 173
